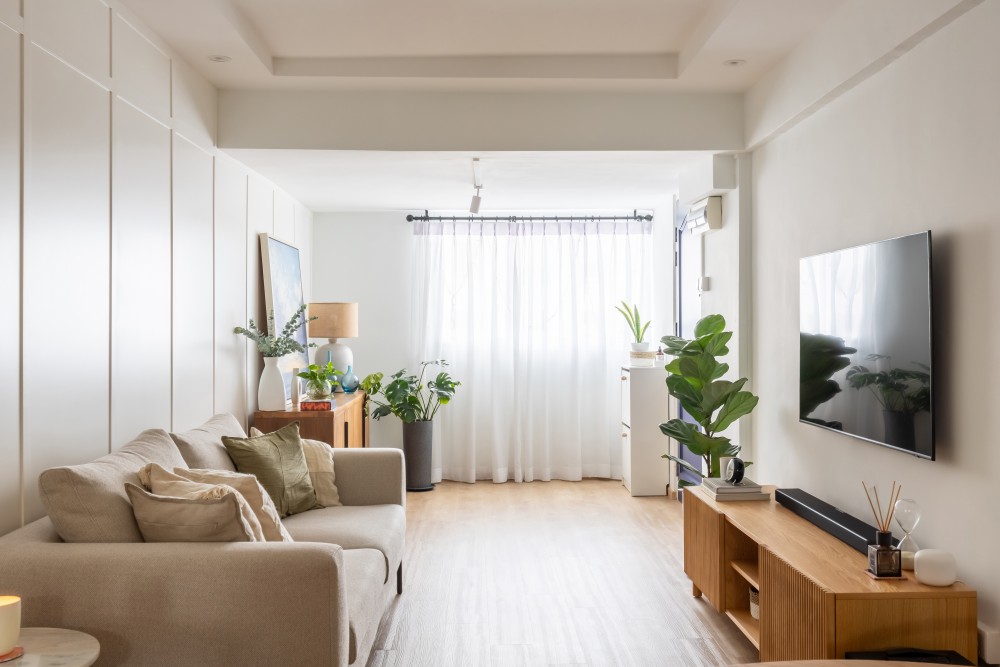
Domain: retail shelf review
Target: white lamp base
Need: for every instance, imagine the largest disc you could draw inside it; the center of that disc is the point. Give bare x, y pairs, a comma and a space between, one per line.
339, 354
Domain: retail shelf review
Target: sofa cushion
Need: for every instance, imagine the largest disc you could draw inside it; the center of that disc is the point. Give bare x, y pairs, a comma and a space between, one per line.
200, 513
363, 569
202, 447
319, 460
379, 527
279, 464
255, 495
88, 503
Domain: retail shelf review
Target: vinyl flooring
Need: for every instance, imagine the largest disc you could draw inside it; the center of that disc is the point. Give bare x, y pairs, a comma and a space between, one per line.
549, 573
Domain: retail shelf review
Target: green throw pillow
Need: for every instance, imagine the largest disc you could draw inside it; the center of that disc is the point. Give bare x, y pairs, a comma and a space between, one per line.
277, 461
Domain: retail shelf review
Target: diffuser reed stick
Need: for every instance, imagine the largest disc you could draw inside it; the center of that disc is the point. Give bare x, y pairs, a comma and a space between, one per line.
883, 519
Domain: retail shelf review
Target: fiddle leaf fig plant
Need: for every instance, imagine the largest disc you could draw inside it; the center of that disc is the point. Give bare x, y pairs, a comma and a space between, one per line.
715, 404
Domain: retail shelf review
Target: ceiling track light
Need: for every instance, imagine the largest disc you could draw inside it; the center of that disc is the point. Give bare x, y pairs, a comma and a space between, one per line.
477, 199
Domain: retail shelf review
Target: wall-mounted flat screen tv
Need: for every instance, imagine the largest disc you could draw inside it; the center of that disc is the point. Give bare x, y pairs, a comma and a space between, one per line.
865, 357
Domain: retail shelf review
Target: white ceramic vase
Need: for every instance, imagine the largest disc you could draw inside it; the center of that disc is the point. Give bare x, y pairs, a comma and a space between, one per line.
641, 347
271, 390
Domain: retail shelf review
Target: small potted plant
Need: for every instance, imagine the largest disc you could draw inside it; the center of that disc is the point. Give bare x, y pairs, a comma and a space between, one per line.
415, 403
320, 380
635, 325
902, 394
271, 390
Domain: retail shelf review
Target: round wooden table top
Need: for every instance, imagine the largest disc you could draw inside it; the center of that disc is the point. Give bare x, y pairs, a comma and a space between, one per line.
841, 663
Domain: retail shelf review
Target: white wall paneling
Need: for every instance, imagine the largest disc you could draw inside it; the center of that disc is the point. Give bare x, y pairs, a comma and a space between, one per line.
284, 218
128, 293
77, 31
193, 309
260, 218
10, 277
230, 287
66, 270
140, 274
304, 242
894, 155
141, 71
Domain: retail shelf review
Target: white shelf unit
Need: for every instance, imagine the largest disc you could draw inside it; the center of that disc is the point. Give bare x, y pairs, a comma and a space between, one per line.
645, 405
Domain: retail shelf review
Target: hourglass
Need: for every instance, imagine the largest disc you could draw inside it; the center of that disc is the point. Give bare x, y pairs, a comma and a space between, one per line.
907, 517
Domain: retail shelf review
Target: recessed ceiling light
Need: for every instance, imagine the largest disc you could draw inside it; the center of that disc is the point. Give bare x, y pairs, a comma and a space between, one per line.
735, 62
219, 59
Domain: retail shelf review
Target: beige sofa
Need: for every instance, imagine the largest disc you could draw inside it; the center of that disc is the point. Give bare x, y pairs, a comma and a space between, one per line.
315, 601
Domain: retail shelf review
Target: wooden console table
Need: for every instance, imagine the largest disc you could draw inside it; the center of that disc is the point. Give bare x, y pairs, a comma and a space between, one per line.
343, 426
816, 598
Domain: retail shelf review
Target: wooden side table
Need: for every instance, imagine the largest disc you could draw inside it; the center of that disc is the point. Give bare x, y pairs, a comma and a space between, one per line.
343, 426
57, 646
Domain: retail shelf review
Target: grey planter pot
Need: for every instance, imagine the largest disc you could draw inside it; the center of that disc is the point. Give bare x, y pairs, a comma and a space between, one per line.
417, 453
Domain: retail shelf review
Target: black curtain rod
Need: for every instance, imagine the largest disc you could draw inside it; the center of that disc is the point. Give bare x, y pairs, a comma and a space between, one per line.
426, 217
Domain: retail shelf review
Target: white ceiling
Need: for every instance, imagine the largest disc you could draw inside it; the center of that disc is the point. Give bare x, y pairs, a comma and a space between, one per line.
479, 45
384, 180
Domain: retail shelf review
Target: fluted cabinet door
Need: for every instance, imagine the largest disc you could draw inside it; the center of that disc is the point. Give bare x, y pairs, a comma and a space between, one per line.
703, 548
797, 616
10, 277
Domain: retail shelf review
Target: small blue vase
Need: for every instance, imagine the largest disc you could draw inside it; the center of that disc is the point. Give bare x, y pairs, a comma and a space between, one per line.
349, 381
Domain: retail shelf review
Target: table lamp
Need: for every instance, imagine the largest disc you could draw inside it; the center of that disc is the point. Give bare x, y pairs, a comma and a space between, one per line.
334, 321
10, 624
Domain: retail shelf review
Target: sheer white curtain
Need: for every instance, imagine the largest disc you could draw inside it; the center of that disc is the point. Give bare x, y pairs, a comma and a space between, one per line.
524, 313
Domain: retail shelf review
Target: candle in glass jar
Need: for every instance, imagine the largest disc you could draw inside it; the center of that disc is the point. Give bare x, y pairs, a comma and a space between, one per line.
10, 622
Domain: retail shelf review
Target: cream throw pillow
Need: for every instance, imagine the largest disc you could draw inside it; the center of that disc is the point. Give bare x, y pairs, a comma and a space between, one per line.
162, 482
251, 490
213, 514
319, 460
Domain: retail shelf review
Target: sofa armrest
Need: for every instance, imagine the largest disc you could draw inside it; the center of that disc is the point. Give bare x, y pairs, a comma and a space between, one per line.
188, 604
370, 476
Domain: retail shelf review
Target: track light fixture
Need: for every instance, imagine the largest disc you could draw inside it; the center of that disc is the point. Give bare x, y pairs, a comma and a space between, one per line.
477, 199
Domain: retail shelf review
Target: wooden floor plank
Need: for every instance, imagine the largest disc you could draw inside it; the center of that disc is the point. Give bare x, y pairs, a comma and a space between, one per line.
549, 573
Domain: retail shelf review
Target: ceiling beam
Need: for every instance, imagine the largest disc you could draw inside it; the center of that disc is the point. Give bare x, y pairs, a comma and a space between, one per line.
699, 37
246, 31
661, 66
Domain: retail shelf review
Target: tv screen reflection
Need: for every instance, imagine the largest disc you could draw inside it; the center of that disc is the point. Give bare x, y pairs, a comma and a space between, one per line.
865, 343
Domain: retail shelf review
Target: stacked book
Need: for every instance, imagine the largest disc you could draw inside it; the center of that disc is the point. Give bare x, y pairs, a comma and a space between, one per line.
724, 491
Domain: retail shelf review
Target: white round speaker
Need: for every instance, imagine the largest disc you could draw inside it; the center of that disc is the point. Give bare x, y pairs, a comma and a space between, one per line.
934, 567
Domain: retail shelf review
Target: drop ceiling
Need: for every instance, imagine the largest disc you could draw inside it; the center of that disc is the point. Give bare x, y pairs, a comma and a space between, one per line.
601, 46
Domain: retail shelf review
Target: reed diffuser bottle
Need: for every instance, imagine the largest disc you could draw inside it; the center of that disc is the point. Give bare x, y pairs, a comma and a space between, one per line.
884, 560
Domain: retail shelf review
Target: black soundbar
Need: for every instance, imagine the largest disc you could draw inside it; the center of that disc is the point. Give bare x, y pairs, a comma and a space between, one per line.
848, 529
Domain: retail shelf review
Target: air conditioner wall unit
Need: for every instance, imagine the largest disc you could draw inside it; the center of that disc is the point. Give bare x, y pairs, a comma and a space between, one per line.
704, 215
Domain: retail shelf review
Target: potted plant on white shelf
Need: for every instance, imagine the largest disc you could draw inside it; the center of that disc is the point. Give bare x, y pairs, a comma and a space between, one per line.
713, 404
635, 325
415, 403
271, 390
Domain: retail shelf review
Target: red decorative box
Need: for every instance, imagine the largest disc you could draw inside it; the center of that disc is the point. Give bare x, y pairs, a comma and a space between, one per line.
315, 406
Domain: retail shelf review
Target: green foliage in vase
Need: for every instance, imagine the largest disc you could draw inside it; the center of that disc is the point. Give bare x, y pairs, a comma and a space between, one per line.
635, 325
407, 396
277, 346
897, 390
821, 356
320, 378
693, 379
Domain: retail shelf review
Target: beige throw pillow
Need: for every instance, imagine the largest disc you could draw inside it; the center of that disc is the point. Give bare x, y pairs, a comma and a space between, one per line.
251, 490
319, 460
279, 464
211, 515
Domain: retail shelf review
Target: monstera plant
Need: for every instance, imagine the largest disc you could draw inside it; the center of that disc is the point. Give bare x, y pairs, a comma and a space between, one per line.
715, 404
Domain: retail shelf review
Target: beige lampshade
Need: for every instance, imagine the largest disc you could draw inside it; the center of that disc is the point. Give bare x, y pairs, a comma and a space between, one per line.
335, 320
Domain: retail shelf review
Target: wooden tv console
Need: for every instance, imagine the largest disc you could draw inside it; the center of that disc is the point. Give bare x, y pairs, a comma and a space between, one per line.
817, 600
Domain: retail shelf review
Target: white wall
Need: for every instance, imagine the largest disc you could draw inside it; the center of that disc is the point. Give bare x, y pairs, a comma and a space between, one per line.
913, 147
365, 257
129, 259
